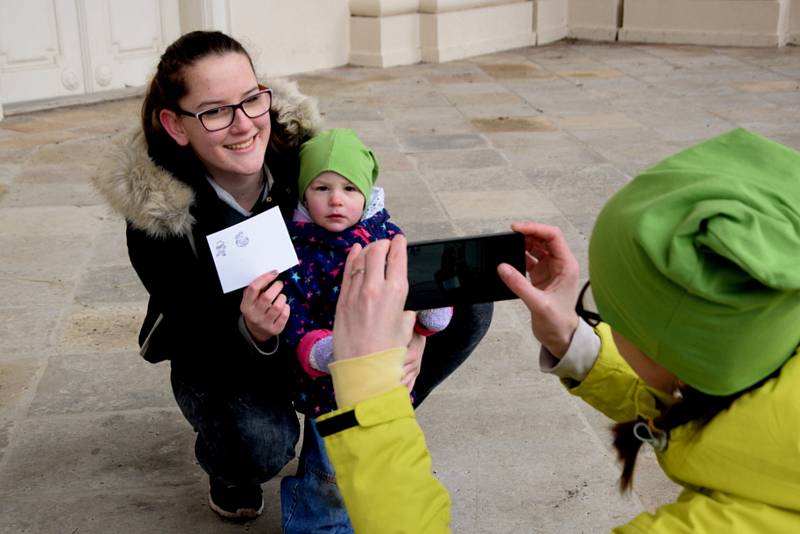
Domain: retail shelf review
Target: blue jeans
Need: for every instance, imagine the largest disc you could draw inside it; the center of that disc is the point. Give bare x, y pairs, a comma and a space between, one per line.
247, 428
310, 501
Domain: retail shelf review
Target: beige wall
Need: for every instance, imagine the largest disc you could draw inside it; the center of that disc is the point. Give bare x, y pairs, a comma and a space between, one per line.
384, 33
794, 22
398, 32
597, 20
480, 28
395, 32
288, 37
708, 22
550, 20
284, 37
292, 36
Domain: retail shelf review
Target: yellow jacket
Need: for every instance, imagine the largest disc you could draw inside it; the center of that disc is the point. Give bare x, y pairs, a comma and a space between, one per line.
383, 468
741, 473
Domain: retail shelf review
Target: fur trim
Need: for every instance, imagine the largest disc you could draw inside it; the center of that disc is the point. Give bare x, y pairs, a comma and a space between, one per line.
152, 199
298, 112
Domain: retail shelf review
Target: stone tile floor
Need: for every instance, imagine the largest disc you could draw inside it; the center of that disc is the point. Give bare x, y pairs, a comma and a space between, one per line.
90, 437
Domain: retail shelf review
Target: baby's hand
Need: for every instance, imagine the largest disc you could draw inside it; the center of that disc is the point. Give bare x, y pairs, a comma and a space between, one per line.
413, 363
434, 320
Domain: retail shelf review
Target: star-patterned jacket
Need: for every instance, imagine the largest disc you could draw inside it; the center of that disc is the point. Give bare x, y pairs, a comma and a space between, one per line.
312, 289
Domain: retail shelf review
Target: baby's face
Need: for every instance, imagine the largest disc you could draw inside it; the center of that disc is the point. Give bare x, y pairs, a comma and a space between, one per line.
334, 202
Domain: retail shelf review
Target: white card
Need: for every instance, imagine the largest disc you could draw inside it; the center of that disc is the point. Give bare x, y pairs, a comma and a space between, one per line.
245, 251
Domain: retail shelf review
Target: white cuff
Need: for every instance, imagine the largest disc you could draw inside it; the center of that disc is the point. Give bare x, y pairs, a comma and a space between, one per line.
274, 340
579, 358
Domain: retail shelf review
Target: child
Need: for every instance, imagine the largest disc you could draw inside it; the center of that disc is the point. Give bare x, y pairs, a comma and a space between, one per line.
338, 208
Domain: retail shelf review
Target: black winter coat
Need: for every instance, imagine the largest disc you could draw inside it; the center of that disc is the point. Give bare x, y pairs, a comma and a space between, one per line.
189, 320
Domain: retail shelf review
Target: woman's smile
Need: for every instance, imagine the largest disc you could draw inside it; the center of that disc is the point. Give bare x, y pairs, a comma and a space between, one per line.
243, 146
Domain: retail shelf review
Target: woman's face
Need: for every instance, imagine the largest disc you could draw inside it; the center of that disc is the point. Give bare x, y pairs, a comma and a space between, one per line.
334, 202
653, 374
236, 152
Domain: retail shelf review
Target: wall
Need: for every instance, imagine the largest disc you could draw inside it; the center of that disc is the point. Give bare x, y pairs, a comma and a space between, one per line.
456, 29
297, 36
400, 32
384, 33
550, 20
287, 37
794, 23
706, 22
283, 37
597, 20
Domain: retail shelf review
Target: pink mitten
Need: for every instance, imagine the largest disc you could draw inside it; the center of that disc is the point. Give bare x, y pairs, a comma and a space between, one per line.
315, 352
431, 321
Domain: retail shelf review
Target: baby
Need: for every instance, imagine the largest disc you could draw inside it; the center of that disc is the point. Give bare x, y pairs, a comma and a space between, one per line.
339, 207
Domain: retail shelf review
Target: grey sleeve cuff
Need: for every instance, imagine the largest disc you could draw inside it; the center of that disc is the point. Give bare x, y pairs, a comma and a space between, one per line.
268, 348
580, 356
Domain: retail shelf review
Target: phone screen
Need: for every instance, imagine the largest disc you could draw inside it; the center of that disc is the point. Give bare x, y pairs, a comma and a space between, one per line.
462, 270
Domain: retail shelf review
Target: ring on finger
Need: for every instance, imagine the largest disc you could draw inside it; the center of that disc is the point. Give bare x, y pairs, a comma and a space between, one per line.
360, 270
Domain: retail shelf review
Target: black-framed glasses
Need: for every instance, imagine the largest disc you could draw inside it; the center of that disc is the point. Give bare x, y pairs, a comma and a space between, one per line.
585, 307
221, 117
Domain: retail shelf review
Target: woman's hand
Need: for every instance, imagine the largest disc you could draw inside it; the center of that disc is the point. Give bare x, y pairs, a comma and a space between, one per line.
369, 313
264, 307
552, 291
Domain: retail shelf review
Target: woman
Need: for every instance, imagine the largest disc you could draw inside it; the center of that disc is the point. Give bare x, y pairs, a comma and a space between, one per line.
694, 265
216, 148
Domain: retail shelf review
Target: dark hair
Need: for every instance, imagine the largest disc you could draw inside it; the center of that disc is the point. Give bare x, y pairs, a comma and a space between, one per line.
695, 408
169, 85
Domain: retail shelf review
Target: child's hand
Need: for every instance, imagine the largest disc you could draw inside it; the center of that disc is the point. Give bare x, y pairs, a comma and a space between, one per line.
264, 307
413, 362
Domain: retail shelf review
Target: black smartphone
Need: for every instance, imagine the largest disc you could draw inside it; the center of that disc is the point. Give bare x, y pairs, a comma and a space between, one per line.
462, 270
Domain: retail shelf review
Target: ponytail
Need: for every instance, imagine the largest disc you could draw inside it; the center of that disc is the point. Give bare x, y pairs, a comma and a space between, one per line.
695, 408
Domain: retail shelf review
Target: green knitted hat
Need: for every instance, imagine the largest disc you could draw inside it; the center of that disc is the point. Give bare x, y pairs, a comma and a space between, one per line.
341, 151
697, 261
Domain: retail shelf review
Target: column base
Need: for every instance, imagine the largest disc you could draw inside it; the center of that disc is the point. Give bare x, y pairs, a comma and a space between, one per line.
384, 41
458, 34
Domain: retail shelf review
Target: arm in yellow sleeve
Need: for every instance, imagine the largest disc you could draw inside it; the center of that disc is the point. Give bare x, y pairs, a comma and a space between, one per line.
358, 379
612, 387
383, 467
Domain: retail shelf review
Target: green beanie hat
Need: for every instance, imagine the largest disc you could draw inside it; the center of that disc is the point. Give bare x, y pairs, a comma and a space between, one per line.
341, 151
697, 261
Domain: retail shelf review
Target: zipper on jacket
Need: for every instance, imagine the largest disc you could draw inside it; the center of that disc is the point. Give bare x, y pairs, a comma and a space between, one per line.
146, 343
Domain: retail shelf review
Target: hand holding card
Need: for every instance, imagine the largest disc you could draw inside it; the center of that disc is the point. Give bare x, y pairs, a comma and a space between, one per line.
245, 251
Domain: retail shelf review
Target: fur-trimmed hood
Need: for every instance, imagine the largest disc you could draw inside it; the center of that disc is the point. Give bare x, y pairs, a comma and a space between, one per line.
153, 200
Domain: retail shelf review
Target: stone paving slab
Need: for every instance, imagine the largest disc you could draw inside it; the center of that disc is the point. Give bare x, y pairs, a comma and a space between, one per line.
91, 440
86, 383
